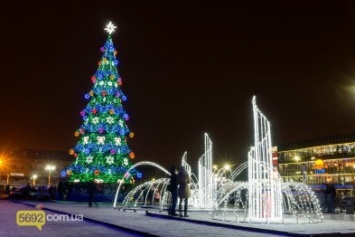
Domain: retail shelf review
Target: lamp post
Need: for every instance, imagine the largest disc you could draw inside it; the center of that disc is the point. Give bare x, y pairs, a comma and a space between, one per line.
34, 177
0, 170
49, 168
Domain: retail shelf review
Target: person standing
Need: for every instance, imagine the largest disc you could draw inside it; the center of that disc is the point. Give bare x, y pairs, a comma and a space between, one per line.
329, 196
91, 190
184, 190
7, 189
173, 189
28, 191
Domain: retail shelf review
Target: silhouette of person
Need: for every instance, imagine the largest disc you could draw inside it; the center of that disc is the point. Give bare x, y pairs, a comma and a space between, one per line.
330, 194
184, 190
91, 193
173, 189
27, 191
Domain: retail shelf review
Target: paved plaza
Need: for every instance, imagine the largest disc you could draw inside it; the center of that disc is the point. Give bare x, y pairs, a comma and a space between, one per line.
107, 221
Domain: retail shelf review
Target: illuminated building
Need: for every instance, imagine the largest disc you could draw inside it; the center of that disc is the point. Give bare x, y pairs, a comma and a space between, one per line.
24, 165
319, 161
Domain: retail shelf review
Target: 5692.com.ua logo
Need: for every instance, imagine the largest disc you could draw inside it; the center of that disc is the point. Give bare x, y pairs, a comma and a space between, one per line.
38, 218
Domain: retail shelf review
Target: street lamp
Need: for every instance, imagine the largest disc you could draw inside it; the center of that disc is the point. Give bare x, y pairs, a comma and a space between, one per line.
49, 168
0, 170
34, 177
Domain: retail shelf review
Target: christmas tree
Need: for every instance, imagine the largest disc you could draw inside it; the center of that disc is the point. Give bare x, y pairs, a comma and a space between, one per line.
102, 153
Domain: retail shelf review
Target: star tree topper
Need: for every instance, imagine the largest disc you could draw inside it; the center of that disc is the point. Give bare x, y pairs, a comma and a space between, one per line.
110, 27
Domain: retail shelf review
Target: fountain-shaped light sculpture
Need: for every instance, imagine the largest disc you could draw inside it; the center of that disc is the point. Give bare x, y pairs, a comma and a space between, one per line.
205, 176
264, 198
264, 189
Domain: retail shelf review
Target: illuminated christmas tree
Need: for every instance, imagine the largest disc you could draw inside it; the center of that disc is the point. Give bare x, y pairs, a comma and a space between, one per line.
102, 153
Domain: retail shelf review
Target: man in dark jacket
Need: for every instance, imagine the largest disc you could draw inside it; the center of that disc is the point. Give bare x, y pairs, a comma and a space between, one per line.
173, 189
91, 189
330, 195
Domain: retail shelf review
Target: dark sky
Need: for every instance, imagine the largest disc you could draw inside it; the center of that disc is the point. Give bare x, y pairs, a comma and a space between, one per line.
188, 67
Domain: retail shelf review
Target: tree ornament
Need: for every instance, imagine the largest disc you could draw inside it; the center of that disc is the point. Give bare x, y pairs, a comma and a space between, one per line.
95, 120
71, 151
109, 120
117, 141
110, 28
89, 159
109, 160
100, 140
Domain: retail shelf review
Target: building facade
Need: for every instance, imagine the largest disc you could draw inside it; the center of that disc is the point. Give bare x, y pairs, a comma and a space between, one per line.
319, 161
37, 167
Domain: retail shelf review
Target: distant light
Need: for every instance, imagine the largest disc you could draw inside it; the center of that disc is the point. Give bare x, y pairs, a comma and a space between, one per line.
50, 167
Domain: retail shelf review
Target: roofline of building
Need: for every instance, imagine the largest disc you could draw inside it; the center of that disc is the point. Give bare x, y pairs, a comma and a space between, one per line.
319, 141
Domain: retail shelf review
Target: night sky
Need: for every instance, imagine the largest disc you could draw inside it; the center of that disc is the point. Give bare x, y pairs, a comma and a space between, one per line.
188, 67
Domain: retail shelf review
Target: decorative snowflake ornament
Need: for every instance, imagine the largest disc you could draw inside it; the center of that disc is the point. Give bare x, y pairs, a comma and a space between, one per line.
86, 140
100, 140
89, 159
109, 160
118, 141
95, 120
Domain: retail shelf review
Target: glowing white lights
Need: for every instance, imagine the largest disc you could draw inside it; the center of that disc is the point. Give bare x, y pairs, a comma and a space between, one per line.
265, 197
110, 28
49, 168
205, 176
262, 199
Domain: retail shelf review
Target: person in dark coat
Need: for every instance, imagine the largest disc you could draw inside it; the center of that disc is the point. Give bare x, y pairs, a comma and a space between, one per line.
184, 190
92, 188
173, 189
27, 191
330, 195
